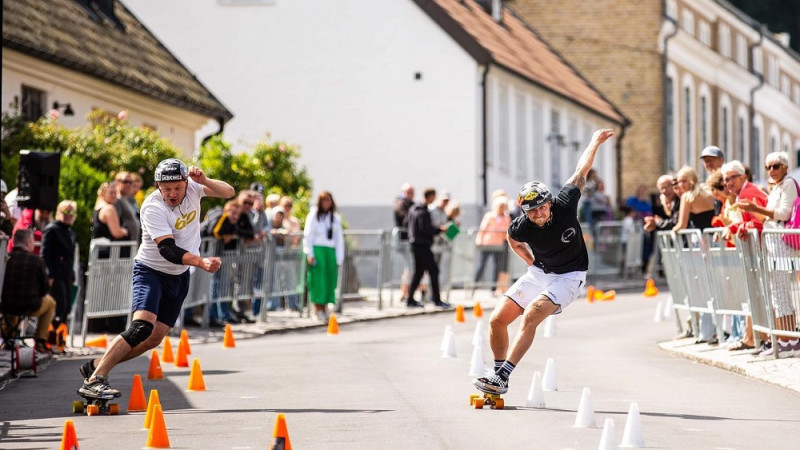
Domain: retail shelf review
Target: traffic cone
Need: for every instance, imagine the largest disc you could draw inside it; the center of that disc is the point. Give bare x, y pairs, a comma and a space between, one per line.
535, 393
590, 294
137, 401
632, 436
476, 363
333, 325
460, 314
549, 380
448, 330
650, 289
157, 437
155, 372
180, 358
151, 406
99, 342
598, 295
549, 327
477, 311
607, 440
658, 316
228, 341
280, 434
166, 353
585, 417
196, 382
449, 346
69, 440
477, 338
609, 295
185, 341
61, 337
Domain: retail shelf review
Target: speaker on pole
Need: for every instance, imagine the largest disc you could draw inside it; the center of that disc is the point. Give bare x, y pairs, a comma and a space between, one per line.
37, 180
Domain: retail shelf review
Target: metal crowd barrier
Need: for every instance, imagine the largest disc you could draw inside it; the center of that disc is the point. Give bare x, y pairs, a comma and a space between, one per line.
781, 265
694, 263
200, 283
363, 266
668, 246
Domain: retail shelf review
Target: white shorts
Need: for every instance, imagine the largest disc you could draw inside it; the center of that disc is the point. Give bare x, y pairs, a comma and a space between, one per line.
560, 288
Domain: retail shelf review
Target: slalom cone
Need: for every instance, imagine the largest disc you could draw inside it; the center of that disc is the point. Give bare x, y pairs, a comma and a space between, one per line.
196, 382
185, 341
99, 342
609, 295
585, 417
549, 327
157, 437
228, 341
650, 289
608, 440
476, 363
477, 338
658, 316
137, 401
460, 314
632, 436
535, 393
668, 308
590, 294
151, 406
449, 346
477, 311
61, 336
280, 434
333, 325
69, 440
166, 354
549, 379
155, 372
180, 358
448, 330
598, 295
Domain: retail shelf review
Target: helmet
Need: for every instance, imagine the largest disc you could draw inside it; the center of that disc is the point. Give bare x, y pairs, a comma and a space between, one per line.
171, 169
533, 195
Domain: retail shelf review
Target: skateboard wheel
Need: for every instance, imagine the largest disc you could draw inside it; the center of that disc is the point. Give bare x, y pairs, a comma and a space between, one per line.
498, 403
77, 407
113, 409
472, 398
92, 410
478, 404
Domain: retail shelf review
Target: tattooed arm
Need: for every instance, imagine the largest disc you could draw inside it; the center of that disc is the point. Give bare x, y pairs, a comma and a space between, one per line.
587, 159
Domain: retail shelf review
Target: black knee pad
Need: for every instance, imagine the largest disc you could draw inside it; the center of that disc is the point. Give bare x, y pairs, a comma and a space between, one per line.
137, 333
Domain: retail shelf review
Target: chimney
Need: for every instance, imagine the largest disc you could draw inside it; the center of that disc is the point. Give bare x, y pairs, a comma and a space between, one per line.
784, 38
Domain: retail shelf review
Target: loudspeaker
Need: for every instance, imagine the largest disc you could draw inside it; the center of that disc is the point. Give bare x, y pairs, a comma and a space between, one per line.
37, 180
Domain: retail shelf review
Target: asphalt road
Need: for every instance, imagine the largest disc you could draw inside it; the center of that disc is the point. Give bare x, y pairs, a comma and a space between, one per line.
384, 385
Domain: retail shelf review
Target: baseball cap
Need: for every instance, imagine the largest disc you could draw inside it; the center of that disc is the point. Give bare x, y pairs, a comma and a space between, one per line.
712, 150
258, 187
445, 195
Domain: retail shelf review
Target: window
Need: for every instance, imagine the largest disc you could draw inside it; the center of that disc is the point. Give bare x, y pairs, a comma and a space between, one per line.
758, 60
539, 141
33, 103
725, 130
773, 144
669, 142
503, 152
522, 150
705, 33
742, 138
724, 40
687, 126
755, 155
796, 93
741, 51
555, 139
573, 146
785, 85
688, 21
772, 70
703, 121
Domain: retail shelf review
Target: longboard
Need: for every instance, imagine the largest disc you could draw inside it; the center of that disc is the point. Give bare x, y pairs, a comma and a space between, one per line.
494, 401
95, 406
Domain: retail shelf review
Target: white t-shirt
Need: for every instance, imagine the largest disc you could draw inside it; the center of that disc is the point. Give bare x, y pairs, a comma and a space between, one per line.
182, 222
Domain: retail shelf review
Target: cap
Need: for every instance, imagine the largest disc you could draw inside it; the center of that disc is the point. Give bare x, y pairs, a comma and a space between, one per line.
276, 210
445, 195
258, 187
533, 195
712, 150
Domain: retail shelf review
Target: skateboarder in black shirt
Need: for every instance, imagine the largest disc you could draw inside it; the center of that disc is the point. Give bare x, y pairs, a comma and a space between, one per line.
548, 237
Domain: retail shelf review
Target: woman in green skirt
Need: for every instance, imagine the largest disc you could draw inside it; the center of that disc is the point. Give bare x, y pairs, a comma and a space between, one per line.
324, 249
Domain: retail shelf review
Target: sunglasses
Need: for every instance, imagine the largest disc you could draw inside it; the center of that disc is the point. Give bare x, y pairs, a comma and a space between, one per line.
731, 178
247, 203
775, 166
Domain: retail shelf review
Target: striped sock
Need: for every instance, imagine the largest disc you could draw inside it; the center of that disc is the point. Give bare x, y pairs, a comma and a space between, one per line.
505, 370
497, 364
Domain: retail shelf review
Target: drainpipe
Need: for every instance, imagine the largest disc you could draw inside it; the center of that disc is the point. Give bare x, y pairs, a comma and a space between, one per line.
221, 122
751, 109
485, 139
619, 161
665, 94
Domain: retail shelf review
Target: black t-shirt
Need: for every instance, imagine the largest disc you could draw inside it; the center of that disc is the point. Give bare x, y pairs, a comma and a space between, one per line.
558, 247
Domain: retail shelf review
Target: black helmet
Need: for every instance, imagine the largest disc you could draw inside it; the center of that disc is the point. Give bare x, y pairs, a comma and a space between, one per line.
171, 169
533, 195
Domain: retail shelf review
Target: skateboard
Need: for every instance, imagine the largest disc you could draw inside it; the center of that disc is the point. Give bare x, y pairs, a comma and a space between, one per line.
494, 401
95, 406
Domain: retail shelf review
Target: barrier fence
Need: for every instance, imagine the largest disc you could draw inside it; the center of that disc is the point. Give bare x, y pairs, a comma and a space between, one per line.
755, 276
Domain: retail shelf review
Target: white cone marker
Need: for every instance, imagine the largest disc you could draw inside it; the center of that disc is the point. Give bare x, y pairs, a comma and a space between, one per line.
535, 394
449, 344
478, 338
448, 330
549, 327
668, 308
477, 364
632, 436
549, 380
608, 441
658, 316
585, 417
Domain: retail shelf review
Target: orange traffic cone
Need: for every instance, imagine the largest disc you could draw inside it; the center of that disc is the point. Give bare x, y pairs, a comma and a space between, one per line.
598, 295
155, 372
166, 354
61, 337
151, 406
185, 341
590, 294
609, 295
100, 342
180, 358
477, 311
333, 325
196, 382
460, 314
69, 440
228, 341
281, 434
137, 401
650, 289
157, 437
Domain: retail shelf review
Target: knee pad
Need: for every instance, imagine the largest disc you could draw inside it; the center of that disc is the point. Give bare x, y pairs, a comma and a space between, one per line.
137, 333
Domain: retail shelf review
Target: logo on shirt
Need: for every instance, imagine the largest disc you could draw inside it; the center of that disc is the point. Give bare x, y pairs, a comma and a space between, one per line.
185, 219
568, 235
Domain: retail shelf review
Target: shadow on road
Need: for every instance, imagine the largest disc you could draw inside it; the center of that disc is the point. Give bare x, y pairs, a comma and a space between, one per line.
653, 414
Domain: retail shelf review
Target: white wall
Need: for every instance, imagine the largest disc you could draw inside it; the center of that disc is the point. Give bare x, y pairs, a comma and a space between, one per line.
337, 78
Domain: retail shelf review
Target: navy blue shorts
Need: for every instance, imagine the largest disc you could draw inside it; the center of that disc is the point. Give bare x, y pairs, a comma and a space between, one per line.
159, 293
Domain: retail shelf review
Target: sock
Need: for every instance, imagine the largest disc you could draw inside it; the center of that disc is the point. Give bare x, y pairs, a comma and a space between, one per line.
497, 364
505, 370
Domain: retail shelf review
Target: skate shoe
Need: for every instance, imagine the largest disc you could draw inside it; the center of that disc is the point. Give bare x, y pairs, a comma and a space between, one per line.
86, 370
99, 388
492, 384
